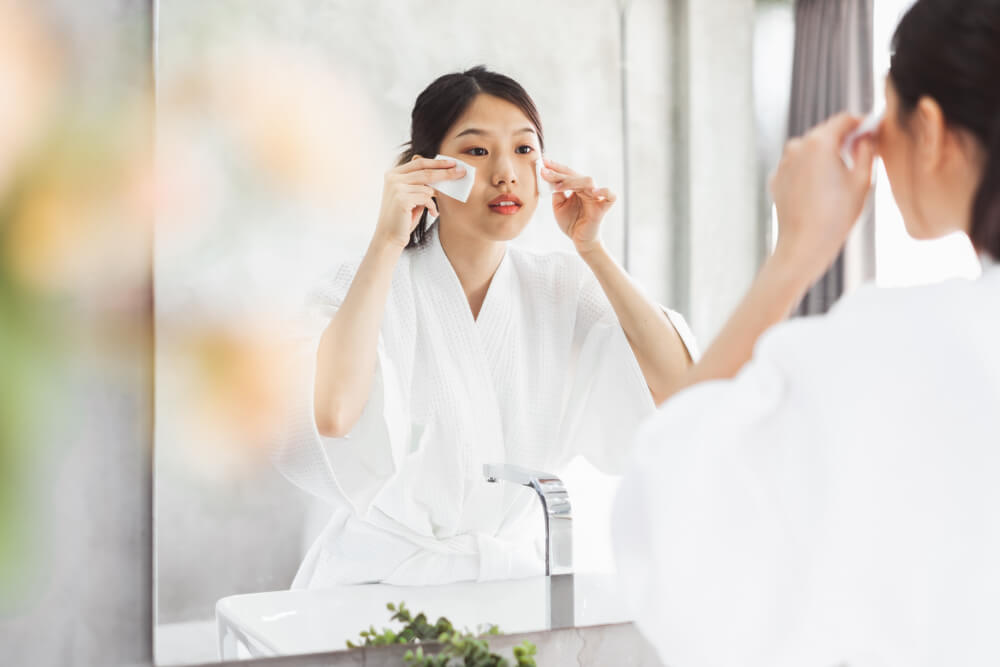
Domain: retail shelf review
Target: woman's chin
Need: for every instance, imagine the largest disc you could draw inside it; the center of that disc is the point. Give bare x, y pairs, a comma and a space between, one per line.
506, 228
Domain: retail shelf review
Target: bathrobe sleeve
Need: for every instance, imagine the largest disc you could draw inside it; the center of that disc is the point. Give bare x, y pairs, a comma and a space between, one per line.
717, 511
608, 396
352, 469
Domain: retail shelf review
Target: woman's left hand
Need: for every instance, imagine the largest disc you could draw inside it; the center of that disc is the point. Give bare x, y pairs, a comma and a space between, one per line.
579, 213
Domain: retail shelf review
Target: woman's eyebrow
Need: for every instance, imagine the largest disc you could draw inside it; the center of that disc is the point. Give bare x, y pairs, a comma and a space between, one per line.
472, 130
479, 132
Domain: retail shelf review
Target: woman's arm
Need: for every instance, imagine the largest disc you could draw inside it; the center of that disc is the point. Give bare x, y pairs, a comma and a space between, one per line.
818, 201
662, 355
345, 361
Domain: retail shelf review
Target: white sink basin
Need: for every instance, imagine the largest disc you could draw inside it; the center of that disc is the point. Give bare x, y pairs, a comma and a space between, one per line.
320, 621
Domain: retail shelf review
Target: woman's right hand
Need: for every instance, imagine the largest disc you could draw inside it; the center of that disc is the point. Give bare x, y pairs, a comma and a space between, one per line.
817, 197
407, 192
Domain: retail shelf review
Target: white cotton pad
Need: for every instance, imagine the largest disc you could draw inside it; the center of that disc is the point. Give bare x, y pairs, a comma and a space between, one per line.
458, 188
541, 184
868, 126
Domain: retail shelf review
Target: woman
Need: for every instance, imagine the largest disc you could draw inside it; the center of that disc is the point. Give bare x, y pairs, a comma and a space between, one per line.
844, 510
446, 349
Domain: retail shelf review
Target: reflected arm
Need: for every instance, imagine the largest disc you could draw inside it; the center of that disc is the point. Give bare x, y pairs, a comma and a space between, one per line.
345, 360
662, 355
773, 294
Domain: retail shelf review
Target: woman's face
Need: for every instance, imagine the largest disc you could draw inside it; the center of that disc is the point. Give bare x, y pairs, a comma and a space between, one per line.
495, 137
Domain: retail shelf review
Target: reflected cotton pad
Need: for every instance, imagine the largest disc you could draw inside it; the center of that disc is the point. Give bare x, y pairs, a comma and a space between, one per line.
458, 188
868, 126
539, 181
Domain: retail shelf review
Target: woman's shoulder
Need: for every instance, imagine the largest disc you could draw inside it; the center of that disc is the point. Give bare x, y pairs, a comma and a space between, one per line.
881, 328
333, 284
892, 312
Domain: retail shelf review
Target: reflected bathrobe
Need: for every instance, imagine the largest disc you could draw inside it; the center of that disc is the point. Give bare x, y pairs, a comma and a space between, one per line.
836, 503
543, 374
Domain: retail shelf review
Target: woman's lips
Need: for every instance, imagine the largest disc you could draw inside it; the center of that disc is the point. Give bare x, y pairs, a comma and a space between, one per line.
505, 205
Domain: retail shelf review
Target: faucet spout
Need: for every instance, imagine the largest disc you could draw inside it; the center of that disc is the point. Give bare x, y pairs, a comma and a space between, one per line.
555, 506
558, 515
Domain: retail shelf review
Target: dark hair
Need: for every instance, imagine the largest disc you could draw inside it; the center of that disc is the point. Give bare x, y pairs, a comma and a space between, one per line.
440, 105
949, 50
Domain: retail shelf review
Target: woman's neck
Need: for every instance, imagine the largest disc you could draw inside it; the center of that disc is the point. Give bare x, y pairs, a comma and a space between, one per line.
474, 260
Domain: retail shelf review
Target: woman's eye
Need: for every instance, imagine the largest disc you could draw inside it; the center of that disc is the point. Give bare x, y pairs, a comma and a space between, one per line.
525, 149
479, 152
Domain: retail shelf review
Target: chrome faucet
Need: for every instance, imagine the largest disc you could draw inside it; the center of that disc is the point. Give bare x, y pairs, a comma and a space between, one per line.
558, 534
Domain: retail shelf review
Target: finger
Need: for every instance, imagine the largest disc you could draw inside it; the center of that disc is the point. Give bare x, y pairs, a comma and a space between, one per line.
556, 166
559, 198
839, 126
581, 184
864, 159
418, 163
428, 203
552, 176
424, 176
417, 189
603, 194
792, 146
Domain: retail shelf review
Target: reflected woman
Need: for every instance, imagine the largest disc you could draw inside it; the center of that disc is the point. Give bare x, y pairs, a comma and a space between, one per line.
447, 348
845, 511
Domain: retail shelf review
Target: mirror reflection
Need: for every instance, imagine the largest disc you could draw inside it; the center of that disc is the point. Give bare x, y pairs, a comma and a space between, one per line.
406, 318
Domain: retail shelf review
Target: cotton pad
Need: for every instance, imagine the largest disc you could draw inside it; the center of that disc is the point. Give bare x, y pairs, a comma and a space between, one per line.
458, 188
868, 126
541, 184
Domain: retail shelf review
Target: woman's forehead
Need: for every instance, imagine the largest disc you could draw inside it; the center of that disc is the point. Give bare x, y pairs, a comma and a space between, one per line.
489, 115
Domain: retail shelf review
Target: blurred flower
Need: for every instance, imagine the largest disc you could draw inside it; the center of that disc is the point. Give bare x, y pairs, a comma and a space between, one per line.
75, 208
288, 116
78, 220
227, 390
29, 73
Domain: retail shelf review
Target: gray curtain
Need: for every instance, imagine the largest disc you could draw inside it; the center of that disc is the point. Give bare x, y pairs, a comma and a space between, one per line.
832, 72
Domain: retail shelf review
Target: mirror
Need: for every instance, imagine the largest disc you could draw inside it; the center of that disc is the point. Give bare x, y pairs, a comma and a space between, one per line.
275, 125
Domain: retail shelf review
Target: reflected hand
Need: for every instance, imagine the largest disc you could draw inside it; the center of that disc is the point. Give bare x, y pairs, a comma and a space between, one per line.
407, 193
817, 197
579, 213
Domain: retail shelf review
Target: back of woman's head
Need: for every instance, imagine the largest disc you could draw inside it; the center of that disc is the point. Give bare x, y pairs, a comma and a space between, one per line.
443, 102
949, 50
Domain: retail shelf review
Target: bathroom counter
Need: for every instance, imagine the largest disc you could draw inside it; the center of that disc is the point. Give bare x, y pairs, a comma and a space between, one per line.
320, 621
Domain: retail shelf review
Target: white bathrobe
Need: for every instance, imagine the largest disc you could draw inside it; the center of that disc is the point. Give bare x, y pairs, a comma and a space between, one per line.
838, 502
543, 374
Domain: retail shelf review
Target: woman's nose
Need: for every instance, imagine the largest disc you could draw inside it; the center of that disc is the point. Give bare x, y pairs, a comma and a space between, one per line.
503, 172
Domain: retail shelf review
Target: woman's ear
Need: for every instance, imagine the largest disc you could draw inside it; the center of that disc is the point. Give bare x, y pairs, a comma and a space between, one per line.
931, 133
